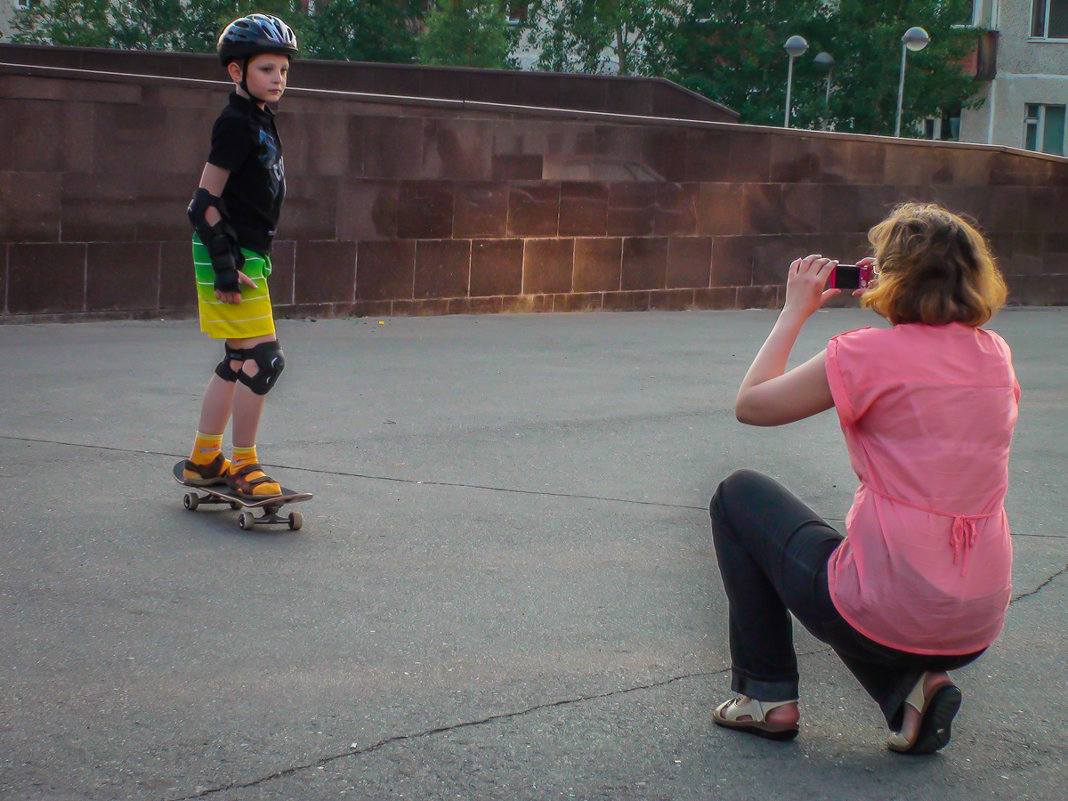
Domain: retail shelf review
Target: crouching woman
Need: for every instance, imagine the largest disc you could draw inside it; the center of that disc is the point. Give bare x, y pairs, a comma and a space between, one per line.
920, 583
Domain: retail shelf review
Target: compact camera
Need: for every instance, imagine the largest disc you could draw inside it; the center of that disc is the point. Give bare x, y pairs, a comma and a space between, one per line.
851, 276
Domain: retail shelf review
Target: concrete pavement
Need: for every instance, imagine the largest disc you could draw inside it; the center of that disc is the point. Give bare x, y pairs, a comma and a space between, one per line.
504, 589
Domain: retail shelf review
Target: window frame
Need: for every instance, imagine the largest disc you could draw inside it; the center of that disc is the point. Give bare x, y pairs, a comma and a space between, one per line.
1035, 121
1039, 31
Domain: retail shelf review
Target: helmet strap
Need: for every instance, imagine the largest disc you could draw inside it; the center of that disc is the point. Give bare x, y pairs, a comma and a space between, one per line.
244, 76
244, 81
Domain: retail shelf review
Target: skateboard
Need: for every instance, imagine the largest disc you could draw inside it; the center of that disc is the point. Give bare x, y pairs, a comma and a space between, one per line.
221, 494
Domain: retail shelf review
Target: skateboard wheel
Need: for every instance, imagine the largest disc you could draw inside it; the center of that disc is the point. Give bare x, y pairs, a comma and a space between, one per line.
235, 505
191, 501
246, 520
296, 520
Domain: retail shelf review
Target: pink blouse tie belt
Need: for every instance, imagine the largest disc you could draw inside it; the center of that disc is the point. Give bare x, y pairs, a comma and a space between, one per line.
962, 535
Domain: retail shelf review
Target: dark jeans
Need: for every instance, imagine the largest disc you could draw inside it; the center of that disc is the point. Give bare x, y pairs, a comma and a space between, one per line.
773, 553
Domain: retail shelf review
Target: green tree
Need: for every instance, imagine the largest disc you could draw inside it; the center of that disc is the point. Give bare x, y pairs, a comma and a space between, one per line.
204, 20
142, 24
466, 33
867, 74
589, 35
732, 51
147, 25
81, 23
364, 30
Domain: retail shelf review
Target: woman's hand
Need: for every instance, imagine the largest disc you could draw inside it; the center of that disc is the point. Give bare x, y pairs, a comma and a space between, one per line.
867, 261
769, 395
806, 285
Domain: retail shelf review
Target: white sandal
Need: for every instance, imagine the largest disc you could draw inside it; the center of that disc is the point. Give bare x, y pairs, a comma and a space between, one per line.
729, 714
937, 711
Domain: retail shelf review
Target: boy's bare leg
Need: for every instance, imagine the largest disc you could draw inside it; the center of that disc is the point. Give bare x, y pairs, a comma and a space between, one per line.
247, 405
247, 411
216, 406
248, 408
206, 464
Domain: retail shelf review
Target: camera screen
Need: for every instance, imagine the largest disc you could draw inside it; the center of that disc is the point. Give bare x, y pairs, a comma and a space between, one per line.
846, 276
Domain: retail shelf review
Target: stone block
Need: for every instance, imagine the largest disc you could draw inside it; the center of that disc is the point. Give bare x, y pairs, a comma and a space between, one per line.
367, 209
631, 209
442, 268
548, 265
677, 209
496, 267
122, 276
46, 278
393, 147
385, 270
583, 208
644, 263
689, 262
480, 209
31, 206
598, 264
425, 210
533, 209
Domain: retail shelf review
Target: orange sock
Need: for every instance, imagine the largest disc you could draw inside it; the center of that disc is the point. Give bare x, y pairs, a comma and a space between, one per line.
206, 464
205, 448
245, 456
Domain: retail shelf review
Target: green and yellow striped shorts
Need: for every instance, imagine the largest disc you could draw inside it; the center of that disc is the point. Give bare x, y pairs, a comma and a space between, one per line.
252, 317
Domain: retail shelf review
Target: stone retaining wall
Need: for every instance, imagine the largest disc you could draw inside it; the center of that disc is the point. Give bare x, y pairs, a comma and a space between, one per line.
420, 205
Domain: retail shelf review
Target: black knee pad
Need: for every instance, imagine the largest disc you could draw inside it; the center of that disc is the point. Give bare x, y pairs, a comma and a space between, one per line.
223, 368
270, 360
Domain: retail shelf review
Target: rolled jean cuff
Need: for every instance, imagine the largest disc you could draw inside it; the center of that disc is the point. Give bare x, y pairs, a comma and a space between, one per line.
764, 690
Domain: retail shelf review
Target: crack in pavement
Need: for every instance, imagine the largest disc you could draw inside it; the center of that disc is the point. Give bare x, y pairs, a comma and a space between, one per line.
426, 483
399, 738
1041, 586
352, 752
372, 477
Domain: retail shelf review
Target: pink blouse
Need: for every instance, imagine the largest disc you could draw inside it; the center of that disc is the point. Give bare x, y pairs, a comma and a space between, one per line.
928, 414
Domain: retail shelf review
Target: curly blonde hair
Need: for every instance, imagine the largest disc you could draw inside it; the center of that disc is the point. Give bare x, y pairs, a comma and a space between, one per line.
934, 268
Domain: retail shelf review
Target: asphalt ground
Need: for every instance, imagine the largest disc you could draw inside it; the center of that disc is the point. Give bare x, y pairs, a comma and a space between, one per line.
505, 587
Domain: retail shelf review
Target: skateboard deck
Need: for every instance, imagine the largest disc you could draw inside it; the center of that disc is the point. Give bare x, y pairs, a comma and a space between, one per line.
221, 494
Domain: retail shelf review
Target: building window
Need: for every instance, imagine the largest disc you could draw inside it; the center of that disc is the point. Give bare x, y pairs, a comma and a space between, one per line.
518, 10
1044, 129
1049, 19
943, 129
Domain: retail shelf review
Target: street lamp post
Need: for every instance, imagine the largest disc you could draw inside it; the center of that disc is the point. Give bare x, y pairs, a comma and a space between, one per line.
915, 39
825, 61
795, 46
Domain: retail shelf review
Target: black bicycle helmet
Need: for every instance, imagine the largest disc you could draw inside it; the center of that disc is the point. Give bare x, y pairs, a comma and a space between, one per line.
257, 33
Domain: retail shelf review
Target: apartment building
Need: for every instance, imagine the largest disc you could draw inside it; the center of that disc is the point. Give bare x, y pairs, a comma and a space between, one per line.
7, 12
1024, 69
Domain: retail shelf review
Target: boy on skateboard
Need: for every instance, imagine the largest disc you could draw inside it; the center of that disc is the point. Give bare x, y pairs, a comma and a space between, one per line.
234, 213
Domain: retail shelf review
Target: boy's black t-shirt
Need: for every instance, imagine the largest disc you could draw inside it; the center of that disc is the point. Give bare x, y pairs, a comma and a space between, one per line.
245, 142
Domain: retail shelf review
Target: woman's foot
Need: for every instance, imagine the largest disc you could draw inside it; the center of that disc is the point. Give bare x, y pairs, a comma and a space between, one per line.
929, 711
775, 720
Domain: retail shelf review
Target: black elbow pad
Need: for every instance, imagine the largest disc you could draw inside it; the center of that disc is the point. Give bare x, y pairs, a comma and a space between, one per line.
220, 240
198, 207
